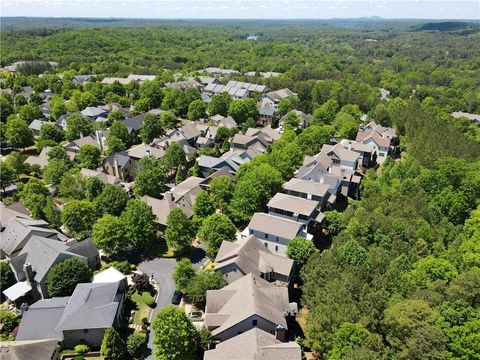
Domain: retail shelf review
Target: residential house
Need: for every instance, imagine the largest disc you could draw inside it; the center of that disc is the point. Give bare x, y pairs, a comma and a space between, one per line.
294, 208
304, 119
81, 79
9, 213
134, 124
308, 189
256, 344
119, 165
250, 302
111, 275
341, 156
379, 137
75, 145
220, 72
62, 120
93, 112
364, 151
266, 115
253, 145
103, 177
205, 80
236, 89
18, 232
176, 137
273, 98
125, 81
274, 231
39, 255
30, 350
42, 158
222, 121
138, 152
80, 318
472, 117
186, 84
249, 255
268, 134
231, 161
36, 125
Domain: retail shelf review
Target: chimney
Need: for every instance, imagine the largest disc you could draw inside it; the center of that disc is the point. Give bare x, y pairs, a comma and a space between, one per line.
280, 333
322, 180
350, 145
81, 135
148, 152
329, 169
28, 271
97, 137
309, 194
169, 196
116, 168
23, 307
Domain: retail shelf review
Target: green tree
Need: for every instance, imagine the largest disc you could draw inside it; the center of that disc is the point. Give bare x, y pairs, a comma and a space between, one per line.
93, 187
18, 134
120, 131
352, 253
109, 234
291, 120
113, 347
51, 132
78, 216
62, 278
78, 126
169, 120
241, 110
300, 250
7, 175
52, 213
34, 196
202, 281
287, 105
88, 157
196, 110
59, 153
112, 200
179, 231
150, 181
7, 108
30, 112
174, 335
220, 104
54, 170
348, 336
6, 275
183, 274
116, 115
174, 157
73, 185
325, 114
114, 145
203, 206
221, 192
215, 229
136, 344
140, 224
152, 128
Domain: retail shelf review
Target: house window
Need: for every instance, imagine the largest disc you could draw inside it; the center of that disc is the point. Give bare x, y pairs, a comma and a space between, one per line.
276, 248
254, 322
266, 245
85, 330
266, 236
276, 238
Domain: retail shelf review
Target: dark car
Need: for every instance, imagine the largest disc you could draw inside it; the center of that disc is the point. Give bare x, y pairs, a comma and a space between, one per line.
177, 296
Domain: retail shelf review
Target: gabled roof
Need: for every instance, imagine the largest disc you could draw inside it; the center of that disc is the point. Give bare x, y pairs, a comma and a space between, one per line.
306, 187
122, 159
367, 135
142, 150
248, 296
134, 123
42, 253
275, 225
7, 214
356, 146
280, 94
93, 111
293, 204
91, 306
78, 143
254, 344
28, 349
18, 229
339, 152
251, 256
104, 177
162, 207
37, 124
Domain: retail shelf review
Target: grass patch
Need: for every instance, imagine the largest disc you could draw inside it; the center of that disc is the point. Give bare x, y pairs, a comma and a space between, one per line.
302, 318
143, 310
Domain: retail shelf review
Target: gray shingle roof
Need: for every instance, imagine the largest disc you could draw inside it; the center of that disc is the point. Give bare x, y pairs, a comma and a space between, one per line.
28, 349
275, 225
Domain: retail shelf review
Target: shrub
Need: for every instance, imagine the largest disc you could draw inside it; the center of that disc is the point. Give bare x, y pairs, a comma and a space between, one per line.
148, 299
136, 344
81, 349
141, 281
123, 266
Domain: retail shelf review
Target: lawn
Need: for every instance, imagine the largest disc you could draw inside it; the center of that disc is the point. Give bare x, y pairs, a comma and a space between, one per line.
143, 310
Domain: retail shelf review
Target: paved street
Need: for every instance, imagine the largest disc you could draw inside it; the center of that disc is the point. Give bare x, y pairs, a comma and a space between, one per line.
162, 270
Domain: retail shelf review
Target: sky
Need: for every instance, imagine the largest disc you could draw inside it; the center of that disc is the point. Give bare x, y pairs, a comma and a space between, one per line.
249, 9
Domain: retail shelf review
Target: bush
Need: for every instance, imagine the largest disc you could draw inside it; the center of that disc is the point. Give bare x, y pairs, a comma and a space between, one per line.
136, 344
148, 299
123, 266
141, 281
8, 320
145, 321
81, 349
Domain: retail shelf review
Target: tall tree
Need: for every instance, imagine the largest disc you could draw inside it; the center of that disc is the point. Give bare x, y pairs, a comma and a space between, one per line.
140, 224
88, 157
113, 346
63, 277
152, 128
78, 216
109, 234
179, 231
78, 126
215, 229
17, 133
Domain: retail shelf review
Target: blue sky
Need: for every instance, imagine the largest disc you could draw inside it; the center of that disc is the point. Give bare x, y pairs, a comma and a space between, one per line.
250, 9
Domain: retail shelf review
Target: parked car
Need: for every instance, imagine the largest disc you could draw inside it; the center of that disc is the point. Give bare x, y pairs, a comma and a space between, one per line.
195, 315
177, 297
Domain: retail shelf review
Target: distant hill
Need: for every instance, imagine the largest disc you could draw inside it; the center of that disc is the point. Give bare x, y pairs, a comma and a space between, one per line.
445, 26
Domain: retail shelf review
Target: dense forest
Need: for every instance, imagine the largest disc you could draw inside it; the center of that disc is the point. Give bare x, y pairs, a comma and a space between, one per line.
401, 279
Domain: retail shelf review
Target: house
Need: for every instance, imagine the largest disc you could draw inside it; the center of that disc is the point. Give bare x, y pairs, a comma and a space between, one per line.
42, 158
273, 98
36, 125
163, 144
220, 72
75, 145
119, 165
93, 112
318, 168
8, 213
379, 137
268, 134
138, 152
125, 81
256, 344
62, 120
37, 258
236, 89
161, 209
308, 189
341, 156
205, 80
134, 124
274, 231
364, 151
80, 318
103, 177
249, 255
247, 303
294, 208
304, 119
186, 84
81, 79
30, 350
222, 121
18, 232
253, 145
266, 115
472, 117
230, 161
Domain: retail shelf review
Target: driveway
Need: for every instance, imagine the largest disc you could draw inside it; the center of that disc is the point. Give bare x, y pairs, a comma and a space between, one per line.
162, 270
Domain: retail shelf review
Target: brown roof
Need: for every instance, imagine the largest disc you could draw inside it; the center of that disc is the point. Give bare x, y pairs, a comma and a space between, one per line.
306, 187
